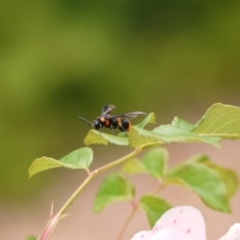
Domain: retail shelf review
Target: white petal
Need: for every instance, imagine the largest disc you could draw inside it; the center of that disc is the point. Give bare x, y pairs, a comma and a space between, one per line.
168, 234
233, 233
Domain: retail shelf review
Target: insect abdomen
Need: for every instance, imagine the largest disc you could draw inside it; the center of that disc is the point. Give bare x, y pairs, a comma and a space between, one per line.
124, 125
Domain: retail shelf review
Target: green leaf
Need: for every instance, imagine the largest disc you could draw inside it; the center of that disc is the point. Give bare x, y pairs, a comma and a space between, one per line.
175, 181
97, 137
179, 123
31, 238
173, 134
114, 188
78, 159
221, 121
140, 138
133, 166
154, 207
228, 176
150, 118
155, 162
205, 182
42, 164
93, 137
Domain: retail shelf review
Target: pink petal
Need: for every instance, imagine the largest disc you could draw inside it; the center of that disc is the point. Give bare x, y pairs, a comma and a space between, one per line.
185, 219
168, 234
233, 233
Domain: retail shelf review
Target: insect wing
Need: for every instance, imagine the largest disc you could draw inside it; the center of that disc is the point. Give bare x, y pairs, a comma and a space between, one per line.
128, 115
107, 109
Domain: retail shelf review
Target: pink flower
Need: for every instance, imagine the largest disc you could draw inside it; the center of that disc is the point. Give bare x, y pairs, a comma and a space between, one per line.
183, 223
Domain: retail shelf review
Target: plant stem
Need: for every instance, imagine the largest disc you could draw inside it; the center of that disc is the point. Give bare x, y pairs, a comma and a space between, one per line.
129, 218
117, 162
89, 178
92, 175
76, 193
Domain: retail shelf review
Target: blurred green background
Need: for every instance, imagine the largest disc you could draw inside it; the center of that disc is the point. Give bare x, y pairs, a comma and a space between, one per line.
63, 59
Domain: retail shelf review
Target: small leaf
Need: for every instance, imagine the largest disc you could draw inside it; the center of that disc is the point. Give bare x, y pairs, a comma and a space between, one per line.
150, 118
31, 238
42, 164
133, 166
228, 176
78, 159
203, 181
179, 123
140, 138
176, 181
155, 162
154, 207
93, 137
221, 121
114, 188
97, 137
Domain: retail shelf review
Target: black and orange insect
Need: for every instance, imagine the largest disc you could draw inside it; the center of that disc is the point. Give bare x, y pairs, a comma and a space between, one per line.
107, 120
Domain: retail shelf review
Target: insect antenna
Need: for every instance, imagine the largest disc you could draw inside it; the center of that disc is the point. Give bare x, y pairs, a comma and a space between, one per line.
85, 120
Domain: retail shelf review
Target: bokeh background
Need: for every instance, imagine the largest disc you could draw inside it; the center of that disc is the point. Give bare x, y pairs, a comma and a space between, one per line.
63, 59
